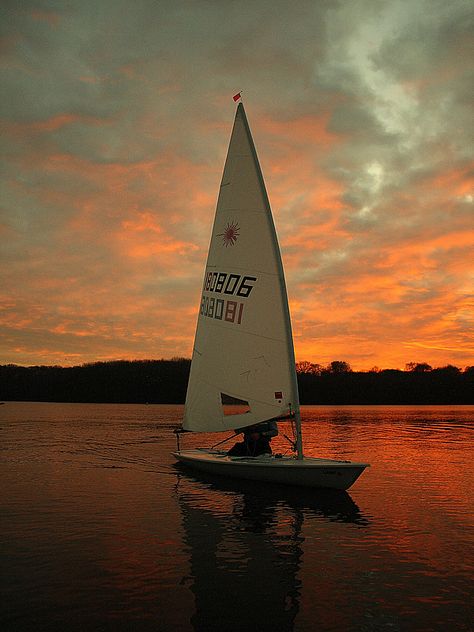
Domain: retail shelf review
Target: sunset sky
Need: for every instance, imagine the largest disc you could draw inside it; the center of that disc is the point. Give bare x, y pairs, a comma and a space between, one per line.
116, 117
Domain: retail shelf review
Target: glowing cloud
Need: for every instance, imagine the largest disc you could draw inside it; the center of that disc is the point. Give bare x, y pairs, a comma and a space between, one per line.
114, 137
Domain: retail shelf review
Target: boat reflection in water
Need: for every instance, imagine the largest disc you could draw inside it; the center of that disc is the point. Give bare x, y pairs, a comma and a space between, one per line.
246, 547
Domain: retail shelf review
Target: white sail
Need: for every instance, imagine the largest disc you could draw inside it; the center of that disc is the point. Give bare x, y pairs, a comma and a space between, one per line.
243, 345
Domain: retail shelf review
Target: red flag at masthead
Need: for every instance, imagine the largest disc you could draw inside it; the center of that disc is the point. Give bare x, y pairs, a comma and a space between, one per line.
237, 96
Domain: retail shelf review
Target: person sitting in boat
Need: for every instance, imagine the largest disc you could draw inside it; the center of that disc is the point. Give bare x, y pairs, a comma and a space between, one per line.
256, 439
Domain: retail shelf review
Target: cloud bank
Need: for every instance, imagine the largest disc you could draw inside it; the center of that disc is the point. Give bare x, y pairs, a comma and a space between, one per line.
115, 121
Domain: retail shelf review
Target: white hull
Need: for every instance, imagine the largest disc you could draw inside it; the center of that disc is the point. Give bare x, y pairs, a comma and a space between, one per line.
307, 472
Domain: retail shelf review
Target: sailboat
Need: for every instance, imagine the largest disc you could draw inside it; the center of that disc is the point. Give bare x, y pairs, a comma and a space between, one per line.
243, 346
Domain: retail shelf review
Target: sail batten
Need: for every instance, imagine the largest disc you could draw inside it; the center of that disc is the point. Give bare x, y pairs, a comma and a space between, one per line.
243, 331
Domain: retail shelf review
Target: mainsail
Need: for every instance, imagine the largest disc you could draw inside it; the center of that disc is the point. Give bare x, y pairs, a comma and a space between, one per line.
243, 345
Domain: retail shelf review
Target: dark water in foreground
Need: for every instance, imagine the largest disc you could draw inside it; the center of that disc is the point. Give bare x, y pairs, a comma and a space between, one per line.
100, 531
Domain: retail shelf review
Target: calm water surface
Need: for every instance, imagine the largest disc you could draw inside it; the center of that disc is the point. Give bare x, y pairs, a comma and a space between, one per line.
101, 531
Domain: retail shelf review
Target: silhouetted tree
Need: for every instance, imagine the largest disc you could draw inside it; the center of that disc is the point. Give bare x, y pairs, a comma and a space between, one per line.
417, 367
338, 366
308, 367
449, 369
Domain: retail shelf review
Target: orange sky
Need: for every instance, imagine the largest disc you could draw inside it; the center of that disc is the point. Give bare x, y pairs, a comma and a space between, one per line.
115, 124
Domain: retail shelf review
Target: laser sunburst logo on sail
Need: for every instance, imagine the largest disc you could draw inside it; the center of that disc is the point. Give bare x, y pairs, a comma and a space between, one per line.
230, 234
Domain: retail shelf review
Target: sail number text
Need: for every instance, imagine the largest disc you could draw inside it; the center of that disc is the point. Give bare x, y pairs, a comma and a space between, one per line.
231, 284
230, 311
224, 283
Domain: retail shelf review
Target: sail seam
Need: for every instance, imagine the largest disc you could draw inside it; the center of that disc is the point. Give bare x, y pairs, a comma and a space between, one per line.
218, 323
245, 269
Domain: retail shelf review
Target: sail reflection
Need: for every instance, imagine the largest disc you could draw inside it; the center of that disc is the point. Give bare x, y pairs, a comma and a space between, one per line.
246, 547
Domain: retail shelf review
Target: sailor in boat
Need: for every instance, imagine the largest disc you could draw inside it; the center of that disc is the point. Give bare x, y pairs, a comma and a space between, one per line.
256, 439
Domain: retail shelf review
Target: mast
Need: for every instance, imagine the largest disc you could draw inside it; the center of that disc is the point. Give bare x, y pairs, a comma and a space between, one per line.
281, 274
299, 436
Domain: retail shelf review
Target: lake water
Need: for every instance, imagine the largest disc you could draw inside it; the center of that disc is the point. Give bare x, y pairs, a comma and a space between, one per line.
101, 531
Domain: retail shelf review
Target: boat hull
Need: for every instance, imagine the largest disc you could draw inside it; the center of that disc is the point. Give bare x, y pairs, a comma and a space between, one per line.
307, 472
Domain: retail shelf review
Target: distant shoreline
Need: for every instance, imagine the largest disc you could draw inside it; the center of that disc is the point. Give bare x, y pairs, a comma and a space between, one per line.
165, 382
27, 401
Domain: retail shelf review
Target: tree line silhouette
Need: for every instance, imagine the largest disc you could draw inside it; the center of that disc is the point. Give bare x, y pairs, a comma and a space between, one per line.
165, 382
